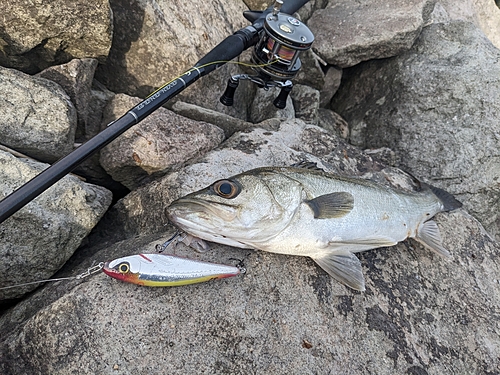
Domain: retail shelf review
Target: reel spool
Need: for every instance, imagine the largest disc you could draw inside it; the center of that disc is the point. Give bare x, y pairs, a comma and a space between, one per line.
283, 38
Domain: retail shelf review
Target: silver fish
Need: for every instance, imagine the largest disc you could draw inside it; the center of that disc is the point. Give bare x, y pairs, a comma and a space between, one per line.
297, 211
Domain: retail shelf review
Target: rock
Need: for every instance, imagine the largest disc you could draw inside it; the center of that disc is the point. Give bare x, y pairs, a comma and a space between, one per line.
154, 42
483, 13
333, 123
38, 118
154, 146
306, 103
419, 315
436, 107
333, 77
76, 79
229, 124
40, 237
263, 108
348, 32
91, 168
143, 210
36, 35
311, 72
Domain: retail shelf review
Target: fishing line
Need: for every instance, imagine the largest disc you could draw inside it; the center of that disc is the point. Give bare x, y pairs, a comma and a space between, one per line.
90, 271
212, 63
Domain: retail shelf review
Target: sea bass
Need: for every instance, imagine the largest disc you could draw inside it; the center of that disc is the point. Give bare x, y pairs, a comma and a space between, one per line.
298, 211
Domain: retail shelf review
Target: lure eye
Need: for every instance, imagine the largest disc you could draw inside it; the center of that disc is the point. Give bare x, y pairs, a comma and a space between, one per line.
227, 189
123, 267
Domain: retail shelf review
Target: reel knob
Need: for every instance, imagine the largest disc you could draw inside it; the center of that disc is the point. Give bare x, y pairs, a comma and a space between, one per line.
280, 101
228, 97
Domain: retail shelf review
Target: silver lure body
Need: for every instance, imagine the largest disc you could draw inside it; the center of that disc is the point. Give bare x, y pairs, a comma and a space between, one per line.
311, 213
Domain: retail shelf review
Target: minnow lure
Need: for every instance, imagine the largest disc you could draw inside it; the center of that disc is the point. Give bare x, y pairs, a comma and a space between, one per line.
165, 270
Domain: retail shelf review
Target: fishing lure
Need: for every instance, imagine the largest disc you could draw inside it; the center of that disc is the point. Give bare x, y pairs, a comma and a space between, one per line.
166, 270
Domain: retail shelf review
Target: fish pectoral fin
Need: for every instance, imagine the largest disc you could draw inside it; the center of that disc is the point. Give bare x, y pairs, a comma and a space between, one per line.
429, 236
344, 267
333, 205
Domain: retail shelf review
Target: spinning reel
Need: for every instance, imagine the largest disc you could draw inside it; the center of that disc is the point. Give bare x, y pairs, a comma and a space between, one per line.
276, 54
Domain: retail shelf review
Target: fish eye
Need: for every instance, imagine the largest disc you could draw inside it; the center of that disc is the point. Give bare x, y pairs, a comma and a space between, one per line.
226, 189
123, 267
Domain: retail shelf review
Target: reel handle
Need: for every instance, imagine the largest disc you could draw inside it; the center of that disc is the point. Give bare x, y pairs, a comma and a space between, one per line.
280, 101
228, 97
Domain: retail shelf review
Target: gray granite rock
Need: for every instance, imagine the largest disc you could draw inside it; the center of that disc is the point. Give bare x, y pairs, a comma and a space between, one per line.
38, 239
35, 35
348, 32
157, 144
76, 79
156, 41
437, 107
262, 107
37, 116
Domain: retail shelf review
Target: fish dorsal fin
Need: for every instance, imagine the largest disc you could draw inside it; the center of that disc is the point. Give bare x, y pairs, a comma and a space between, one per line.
333, 205
429, 236
304, 164
344, 267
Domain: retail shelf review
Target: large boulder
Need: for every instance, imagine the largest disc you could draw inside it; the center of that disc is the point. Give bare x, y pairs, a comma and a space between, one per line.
156, 41
420, 314
37, 117
348, 32
35, 35
157, 144
42, 236
437, 107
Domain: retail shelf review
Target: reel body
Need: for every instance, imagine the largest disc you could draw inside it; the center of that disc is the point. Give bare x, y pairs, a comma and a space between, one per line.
276, 55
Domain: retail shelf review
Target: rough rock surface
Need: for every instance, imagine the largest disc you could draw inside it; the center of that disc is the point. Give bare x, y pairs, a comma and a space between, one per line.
229, 124
419, 315
483, 13
162, 141
437, 111
38, 239
306, 103
76, 79
35, 35
262, 107
36, 116
348, 32
155, 41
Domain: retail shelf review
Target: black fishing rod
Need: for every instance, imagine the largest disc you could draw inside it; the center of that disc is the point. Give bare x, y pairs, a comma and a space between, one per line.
278, 38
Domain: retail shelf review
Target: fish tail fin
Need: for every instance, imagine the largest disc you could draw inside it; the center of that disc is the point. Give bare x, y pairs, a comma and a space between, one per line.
450, 203
344, 267
429, 236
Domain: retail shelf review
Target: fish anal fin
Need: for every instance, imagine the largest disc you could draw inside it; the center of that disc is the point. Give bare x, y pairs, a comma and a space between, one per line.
333, 205
429, 236
344, 267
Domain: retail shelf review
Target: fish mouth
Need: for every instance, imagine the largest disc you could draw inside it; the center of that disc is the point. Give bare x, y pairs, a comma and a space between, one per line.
205, 220
182, 209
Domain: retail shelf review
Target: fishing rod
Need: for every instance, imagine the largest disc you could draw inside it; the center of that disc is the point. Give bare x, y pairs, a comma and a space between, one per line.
278, 38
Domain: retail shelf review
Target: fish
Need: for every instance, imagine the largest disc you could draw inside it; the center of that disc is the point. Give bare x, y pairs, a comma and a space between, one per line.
160, 270
308, 212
